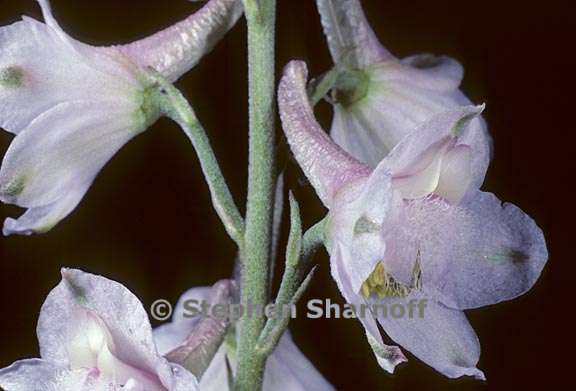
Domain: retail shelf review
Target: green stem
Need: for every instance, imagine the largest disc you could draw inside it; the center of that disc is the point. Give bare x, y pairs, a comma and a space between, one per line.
175, 106
322, 86
261, 19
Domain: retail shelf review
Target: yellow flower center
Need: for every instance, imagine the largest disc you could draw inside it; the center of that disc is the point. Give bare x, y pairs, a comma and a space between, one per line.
382, 284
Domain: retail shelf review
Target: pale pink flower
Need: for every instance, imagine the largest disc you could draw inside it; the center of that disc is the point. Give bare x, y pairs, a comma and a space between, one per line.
378, 99
94, 335
72, 106
416, 227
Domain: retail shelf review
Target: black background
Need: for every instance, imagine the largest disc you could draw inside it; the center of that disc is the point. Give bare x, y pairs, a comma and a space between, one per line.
147, 221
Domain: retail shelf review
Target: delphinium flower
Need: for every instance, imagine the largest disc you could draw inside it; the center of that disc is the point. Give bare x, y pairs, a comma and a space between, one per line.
287, 369
378, 99
416, 227
94, 335
72, 106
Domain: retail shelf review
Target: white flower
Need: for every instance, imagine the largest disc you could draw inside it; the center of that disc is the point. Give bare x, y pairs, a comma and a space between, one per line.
379, 99
94, 335
73, 106
416, 227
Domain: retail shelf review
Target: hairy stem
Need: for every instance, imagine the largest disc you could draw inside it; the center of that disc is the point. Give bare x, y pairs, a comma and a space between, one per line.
175, 106
260, 16
322, 86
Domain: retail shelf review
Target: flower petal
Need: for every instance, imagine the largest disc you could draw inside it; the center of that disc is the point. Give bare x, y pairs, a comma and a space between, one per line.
350, 37
400, 99
176, 378
41, 219
177, 49
204, 337
90, 345
43, 70
443, 169
496, 253
327, 167
472, 255
110, 62
170, 335
358, 217
387, 356
49, 17
440, 74
62, 151
422, 176
442, 337
121, 311
29, 375
455, 178
358, 132
216, 376
445, 125
288, 369
120, 327
422, 161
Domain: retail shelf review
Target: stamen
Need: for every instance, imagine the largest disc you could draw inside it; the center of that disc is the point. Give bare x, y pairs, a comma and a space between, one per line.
383, 285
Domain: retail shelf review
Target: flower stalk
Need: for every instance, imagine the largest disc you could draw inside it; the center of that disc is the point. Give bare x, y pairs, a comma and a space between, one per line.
261, 18
176, 107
